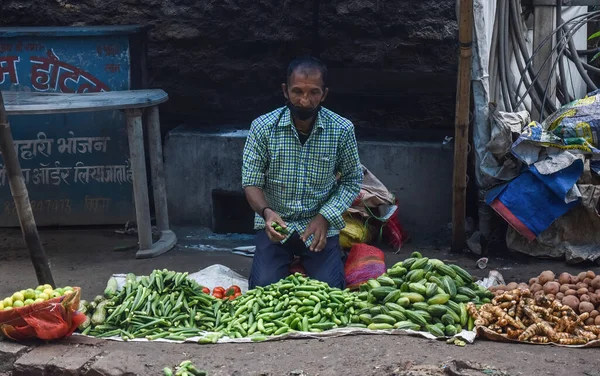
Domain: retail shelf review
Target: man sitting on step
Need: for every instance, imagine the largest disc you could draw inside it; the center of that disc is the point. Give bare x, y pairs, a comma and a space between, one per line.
290, 161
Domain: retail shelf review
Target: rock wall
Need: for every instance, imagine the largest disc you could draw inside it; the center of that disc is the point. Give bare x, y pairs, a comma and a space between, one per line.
393, 62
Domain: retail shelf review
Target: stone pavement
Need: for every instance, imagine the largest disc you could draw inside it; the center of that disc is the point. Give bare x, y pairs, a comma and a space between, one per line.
381, 355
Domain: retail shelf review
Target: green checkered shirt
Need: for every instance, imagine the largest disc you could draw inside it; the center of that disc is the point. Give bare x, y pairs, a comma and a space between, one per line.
299, 181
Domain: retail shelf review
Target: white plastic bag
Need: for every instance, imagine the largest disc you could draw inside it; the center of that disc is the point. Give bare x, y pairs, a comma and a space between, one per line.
219, 275
211, 277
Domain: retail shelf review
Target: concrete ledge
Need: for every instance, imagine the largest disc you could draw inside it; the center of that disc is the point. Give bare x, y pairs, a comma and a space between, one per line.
199, 161
9, 353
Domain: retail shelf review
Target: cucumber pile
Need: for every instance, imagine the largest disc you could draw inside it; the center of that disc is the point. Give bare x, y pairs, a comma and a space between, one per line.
421, 294
295, 303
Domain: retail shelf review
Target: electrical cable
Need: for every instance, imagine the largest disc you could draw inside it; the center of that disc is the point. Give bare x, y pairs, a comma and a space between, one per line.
516, 33
587, 66
493, 63
529, 61
535, 99
501, 58
507, 63
579, 66
571, 32
578, 22
515, 16
561, 62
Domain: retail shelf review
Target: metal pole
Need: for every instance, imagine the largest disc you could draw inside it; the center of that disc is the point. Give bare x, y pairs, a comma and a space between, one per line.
140, 187
20, 195
461, 130
543, 25
157, 168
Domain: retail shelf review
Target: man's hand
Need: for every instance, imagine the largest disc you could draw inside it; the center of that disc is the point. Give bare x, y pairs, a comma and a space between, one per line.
270, 217
318, 226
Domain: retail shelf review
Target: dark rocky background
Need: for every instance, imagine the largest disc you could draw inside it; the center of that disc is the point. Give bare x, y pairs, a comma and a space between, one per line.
393, 63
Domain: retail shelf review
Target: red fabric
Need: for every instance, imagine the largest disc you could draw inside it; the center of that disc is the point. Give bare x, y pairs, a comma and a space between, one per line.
364, 262
393, 231
510, 218
297, 267
53, 319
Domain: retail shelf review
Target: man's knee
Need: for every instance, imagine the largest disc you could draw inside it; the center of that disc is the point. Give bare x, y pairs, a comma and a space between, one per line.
263, 277
331, 269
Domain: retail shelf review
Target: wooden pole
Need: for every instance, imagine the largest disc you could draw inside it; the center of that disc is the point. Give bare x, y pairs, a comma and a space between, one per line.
461, 121
20, 195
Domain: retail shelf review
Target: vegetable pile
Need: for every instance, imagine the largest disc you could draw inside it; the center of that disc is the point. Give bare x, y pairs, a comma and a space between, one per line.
165, 304
580, 292
295, 303
518, 315
220, 293
186, 368
27, 297
421, 294
418, 294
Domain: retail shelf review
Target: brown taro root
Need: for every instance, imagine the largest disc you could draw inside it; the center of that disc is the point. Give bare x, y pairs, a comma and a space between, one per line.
533, 280
582, 276
514, 333
588, 281
593, 298
596, 282
512, 286
564, 278
538, 294
564, 288
584, 298
594, 314
581, 285
597, 320
551, 288
571, 292
546, 276
560, 296
573, 341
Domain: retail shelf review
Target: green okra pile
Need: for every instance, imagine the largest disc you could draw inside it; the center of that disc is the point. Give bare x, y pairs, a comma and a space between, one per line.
165, 304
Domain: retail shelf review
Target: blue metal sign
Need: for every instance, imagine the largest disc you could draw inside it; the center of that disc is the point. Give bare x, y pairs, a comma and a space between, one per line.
76, 166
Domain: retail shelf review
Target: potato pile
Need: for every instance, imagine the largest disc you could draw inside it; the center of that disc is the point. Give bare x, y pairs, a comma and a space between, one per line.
581, 292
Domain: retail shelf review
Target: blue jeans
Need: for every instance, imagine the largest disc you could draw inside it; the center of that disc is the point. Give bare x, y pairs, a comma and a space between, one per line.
272, 261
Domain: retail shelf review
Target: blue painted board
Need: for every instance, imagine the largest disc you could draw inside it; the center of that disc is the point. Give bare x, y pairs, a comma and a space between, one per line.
76, 166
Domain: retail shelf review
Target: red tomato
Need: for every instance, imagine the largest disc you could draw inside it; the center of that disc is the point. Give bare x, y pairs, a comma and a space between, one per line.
206, 290
236, 289
238, 294
219, 289
217, 294
231, 297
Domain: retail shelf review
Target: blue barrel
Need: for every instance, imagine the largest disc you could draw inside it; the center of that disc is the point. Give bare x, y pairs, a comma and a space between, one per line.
76, 166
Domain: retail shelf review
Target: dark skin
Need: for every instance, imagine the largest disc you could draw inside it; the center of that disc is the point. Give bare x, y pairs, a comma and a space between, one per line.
305, 88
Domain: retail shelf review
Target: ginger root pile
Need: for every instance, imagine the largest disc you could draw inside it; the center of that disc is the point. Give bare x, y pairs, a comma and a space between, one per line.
517, 314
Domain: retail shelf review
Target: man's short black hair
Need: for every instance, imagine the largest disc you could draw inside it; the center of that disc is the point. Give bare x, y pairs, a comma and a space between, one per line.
307, 63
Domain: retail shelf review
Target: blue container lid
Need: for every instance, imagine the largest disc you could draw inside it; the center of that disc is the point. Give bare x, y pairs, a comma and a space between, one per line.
69, 31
